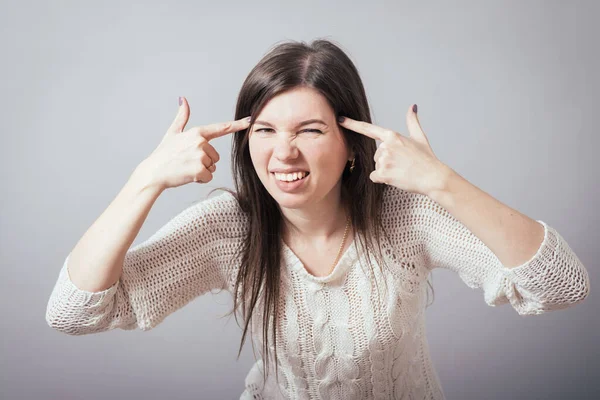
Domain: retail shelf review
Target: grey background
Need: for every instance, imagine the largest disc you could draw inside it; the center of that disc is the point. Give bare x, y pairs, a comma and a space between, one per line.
507, 94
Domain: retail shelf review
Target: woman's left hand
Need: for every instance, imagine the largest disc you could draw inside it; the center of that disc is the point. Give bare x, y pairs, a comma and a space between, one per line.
405, 162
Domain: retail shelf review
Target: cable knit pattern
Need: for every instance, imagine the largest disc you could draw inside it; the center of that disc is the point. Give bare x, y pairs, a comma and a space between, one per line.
338, 336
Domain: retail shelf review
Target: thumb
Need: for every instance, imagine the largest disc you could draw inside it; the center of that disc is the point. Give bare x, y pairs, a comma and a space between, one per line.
182, 117
374, 176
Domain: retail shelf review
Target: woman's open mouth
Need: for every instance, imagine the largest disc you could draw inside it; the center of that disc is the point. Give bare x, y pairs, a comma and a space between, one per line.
290, 182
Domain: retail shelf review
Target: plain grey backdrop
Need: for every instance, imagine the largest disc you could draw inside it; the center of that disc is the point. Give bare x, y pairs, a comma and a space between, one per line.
507, 94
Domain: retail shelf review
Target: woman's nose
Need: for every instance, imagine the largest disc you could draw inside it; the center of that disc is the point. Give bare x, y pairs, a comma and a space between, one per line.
285, 149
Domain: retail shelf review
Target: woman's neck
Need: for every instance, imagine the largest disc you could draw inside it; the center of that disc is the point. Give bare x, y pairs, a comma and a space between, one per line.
320, 221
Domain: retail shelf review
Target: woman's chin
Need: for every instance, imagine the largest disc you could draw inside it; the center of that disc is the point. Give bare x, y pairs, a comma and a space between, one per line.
291, 201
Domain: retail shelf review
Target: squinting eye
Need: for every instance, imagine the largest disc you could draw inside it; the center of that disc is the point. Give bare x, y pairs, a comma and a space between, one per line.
305, 130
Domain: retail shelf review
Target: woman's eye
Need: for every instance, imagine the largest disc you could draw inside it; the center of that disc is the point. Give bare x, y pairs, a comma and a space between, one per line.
305, 130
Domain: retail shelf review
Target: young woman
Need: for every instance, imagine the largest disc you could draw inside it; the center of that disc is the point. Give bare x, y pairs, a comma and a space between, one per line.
327, 242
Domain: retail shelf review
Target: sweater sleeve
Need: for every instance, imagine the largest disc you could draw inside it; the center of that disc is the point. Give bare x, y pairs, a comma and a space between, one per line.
554, 278
189, 256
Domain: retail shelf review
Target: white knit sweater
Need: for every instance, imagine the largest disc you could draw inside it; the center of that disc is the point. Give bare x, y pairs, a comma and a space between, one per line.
335, 341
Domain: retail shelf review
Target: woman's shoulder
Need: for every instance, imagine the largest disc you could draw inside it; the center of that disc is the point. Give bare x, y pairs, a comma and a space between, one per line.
398, 203
397, 198
225, 201
222, 209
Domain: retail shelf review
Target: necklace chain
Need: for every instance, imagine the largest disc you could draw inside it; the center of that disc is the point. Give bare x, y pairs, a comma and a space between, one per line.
342, 245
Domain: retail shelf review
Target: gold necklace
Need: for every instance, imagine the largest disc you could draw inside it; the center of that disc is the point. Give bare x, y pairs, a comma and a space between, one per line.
342, 245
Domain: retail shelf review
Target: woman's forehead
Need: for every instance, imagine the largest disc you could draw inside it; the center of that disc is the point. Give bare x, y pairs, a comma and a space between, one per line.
295, 106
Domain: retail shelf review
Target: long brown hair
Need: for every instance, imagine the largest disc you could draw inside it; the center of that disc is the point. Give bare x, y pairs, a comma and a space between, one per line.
322, 66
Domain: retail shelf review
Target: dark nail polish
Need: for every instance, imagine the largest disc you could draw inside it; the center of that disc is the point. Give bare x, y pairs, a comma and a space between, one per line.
415, 108
341, 119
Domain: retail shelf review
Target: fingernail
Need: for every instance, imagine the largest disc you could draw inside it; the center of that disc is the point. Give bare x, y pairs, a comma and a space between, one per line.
249, 119
180, 100
415, 108
341, 119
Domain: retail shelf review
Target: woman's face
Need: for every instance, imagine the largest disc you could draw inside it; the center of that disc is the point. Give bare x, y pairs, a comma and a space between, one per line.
283, 149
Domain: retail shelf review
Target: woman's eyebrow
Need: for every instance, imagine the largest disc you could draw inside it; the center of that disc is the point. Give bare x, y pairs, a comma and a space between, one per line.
307, 122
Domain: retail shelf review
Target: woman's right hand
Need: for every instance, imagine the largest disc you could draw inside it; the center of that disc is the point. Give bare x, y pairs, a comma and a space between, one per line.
184, 157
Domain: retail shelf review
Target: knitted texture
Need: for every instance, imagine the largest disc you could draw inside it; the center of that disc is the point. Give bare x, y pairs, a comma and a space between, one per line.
340, 336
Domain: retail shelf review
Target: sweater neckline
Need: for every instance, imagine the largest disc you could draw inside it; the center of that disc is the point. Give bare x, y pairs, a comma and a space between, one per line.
345, 261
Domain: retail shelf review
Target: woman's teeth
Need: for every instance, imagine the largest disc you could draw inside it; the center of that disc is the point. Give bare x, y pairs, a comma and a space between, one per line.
290, 177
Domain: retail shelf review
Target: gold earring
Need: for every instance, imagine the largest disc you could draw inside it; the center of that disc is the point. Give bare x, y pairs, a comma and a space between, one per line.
352, 165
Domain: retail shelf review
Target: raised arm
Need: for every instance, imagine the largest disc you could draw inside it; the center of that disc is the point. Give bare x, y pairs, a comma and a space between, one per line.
443, 220
105, 284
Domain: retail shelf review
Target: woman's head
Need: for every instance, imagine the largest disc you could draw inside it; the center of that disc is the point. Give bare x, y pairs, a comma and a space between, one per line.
298, 151
295, 82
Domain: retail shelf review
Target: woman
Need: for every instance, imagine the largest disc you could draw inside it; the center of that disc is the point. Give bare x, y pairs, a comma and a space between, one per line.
321, 217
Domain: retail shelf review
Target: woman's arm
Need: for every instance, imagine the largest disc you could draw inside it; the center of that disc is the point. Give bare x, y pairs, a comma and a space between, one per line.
192, 254
95, 263
512, 236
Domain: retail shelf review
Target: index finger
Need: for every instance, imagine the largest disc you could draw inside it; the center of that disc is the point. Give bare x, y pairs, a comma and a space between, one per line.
213, 131
365, 128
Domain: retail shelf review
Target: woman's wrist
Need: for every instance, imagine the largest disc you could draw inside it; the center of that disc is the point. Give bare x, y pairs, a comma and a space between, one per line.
144, 180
